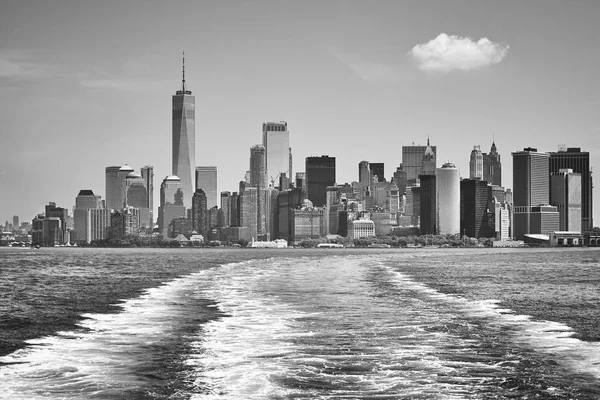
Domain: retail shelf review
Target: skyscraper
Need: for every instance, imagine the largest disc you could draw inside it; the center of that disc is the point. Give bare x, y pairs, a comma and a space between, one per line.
428, 162
448, 200
320, 173
364, 174
199, 213
492, 167
377, 169
412, 160
258, 179
531, 185
206, 179
476, 219
225, 209
148, 176
85, 200
565, 186
171, 203
579, 161
400, 179
113, 188
184, 139
476, 163
276, 140
248, 214
258, 167
428, 207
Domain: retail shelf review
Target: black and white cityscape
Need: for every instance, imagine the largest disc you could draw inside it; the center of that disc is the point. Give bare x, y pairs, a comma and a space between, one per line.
299, 200
550, 202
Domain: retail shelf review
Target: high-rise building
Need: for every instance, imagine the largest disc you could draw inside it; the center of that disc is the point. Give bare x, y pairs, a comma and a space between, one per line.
301, 180
225, 209
258, 179
400, 179
234, 210
378, 170
184, 139
148, 176
248, 214
447, 192
171, 203
52, 211
412, 160
531, 185
476, 219
287, 201
428, 207
199, 213
579, 162
85, 200
206, 179
565, 186
135, 194
122, 174
258, 167
416, 205
492, 167
428, 163
15, 221
320, 173
364, 174
113, 187
276, 140
476, 163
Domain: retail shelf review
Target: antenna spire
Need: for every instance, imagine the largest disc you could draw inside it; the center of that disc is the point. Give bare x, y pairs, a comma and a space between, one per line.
183, 88
183, 73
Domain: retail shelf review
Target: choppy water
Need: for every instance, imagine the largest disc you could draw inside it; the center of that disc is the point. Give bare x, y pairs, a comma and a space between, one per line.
287, 324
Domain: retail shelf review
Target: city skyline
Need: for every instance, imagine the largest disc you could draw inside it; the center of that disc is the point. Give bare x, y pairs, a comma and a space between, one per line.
359, 104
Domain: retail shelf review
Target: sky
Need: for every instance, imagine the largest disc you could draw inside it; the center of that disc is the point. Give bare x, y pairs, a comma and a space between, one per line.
88, 84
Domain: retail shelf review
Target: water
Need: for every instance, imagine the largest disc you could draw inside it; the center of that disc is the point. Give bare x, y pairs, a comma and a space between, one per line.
289, 324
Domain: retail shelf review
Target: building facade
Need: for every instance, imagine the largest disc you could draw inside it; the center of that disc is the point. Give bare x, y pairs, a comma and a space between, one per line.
447, 192
206, 179
361, 228
531, 186
412, 161
492, 167
428, 209
171, 203
276, 141
320, 173
476, 163
147, 172
476, 219
579, 161
565, 194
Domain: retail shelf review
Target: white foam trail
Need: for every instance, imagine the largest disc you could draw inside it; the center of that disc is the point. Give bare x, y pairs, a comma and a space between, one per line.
553, 338
105, 360
271, 347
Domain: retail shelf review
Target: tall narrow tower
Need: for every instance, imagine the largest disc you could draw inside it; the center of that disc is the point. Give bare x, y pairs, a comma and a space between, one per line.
184, 139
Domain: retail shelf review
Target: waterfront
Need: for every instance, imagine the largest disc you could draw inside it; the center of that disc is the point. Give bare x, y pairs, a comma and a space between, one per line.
212, 323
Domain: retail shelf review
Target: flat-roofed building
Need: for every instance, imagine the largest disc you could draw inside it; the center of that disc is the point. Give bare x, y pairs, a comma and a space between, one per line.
579, 161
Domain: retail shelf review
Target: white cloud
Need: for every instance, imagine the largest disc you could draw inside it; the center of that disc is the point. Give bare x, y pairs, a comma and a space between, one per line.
446, 53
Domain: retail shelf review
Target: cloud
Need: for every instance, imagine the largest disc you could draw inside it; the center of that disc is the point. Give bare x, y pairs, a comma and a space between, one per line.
369, 71
24, 65
446, 53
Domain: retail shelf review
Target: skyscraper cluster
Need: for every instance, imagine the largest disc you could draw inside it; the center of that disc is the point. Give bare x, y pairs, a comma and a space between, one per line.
552, 192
